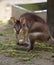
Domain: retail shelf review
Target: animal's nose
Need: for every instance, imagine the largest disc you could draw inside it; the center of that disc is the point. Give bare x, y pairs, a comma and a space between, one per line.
17, 32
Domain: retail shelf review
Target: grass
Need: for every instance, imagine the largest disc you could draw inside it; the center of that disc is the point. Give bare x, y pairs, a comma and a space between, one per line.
43, 46
23, 55
11, 52
3, 22
1, 34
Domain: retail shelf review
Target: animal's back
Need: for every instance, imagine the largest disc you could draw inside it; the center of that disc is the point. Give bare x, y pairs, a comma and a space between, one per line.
32, 17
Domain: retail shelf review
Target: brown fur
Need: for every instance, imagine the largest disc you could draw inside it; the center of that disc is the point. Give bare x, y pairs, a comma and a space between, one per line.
37, 29
35, 25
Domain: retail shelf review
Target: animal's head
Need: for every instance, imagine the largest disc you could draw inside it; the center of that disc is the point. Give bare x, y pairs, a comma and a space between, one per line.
16, 24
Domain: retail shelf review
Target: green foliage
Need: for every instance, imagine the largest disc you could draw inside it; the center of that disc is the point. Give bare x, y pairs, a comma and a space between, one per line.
34, 7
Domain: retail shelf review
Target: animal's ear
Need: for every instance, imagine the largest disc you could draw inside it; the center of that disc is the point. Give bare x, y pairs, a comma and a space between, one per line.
22, 20
13, 19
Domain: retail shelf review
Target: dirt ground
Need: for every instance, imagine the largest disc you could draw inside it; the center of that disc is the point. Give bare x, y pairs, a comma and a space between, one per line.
44, 59
35, 61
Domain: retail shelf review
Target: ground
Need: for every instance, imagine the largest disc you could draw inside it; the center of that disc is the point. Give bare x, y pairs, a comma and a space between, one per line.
40, 55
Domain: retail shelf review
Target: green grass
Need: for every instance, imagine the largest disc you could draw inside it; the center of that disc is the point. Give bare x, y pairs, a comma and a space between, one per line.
3, 22
1, 34
43, 46
11, 52
23, 55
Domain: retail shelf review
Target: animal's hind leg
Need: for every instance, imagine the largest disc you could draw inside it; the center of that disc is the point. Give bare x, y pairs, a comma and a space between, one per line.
31, 46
